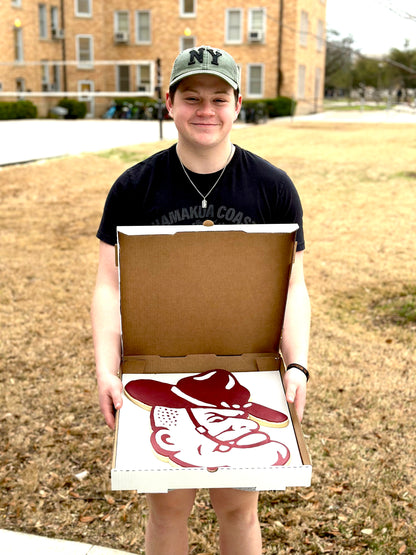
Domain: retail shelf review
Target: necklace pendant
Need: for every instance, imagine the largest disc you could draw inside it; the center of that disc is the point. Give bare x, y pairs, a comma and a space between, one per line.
204, 203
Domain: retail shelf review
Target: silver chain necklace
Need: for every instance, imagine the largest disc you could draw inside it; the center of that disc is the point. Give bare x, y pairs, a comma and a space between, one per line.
204, 203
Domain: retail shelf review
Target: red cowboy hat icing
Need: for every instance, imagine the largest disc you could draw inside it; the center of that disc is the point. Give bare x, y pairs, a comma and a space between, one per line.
211, 389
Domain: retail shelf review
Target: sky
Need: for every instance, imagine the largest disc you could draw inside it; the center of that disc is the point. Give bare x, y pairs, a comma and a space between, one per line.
375, 25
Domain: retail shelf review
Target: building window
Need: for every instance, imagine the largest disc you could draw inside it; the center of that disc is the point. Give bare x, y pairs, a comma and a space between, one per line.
85, 51
43, 24
304, 25
83, 8
187, 8
256, 24
56, 78
20, 86
255, 80
143, 29
54, 21
320, 36
123, 78
234, 26
144, 77
18, 44
44, 68
85, 88
121, 22
187, 42
16, 3
301, 81
318, 82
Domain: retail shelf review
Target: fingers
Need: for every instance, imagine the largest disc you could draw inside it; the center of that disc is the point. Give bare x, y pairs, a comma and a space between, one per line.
111, 400
295, 384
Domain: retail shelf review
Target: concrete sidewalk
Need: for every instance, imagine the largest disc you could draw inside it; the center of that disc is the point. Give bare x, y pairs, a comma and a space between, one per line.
28, 140
15, 543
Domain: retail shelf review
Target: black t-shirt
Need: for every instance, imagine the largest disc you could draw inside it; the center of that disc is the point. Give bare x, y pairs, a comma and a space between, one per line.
157, 192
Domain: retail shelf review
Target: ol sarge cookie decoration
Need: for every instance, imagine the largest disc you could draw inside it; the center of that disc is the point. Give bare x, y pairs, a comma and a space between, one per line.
208, 420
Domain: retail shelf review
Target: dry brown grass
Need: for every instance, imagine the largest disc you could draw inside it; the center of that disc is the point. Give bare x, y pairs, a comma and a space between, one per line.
358, 189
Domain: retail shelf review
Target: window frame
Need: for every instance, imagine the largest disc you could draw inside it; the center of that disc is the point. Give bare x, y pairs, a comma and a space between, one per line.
301, 84
249, 83
118, 80
80, 63
183, 46
87, 13
43, 20
228, 39
137, 15
18, 46
183, 13
304, 28
151, 66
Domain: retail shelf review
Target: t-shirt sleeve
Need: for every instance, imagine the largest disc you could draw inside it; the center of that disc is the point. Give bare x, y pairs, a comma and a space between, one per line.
107, 230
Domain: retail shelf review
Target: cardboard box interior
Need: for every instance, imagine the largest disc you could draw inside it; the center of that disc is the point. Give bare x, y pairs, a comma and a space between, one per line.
192, 299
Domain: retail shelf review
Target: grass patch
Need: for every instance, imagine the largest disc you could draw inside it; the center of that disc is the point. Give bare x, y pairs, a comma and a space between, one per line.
359, 207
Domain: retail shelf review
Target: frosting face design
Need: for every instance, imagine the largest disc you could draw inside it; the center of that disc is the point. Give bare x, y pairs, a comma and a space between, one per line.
207, 420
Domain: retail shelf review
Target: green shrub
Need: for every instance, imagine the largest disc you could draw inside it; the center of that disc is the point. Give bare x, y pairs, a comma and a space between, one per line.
76, 109
22, 109
280, 106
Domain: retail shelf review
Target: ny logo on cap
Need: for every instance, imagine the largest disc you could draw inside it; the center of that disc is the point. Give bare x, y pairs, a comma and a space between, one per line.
199, 55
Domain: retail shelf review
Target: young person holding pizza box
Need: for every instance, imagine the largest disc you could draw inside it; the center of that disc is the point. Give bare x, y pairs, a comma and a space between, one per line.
203, 176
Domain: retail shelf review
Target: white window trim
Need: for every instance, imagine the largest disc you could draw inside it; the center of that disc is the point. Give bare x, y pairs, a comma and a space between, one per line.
43, 11
304, 28
136, 22
81, 64
182, 12
87, 97
117, 70
227, 16
18, 46
250, 19
252, 95
301, 85
16, 3
320, 33
182, 39
150, 92
116, 13
83, 14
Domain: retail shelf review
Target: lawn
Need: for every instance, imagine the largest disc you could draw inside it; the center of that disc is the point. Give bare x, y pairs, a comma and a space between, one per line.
358, 187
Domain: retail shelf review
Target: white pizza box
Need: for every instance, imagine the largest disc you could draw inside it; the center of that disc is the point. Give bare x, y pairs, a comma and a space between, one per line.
205, 299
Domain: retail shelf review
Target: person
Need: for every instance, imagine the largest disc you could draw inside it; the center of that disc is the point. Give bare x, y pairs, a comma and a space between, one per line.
203, 176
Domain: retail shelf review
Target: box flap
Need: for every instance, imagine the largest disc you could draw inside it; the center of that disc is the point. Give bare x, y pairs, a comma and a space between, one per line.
194, 289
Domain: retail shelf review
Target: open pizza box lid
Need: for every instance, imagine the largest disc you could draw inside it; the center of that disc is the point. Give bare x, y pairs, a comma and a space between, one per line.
193, 300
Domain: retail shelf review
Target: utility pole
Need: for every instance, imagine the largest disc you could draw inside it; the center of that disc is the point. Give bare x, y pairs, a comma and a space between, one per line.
279, 49
159, 96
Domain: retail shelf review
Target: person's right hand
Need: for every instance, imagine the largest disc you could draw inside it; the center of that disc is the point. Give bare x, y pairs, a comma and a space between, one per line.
110, 397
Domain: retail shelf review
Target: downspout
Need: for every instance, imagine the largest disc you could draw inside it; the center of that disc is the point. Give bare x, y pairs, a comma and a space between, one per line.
279, 48
64, 75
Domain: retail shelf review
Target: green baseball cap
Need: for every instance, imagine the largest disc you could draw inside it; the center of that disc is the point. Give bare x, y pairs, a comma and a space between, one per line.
205, 59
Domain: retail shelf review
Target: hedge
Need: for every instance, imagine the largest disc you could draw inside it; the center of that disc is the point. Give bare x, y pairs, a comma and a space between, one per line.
76, 109
256, 110
21, 109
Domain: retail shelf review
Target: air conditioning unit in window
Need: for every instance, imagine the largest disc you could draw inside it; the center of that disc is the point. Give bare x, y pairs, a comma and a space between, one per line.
255, 36
58, 34
121, 37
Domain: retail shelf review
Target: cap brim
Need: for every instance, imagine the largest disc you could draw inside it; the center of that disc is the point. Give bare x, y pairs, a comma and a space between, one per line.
231, 82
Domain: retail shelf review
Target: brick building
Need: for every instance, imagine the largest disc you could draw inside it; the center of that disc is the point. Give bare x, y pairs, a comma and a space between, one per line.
85, 48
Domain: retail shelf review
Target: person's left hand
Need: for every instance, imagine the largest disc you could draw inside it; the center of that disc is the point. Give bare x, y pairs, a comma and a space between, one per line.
295, 384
